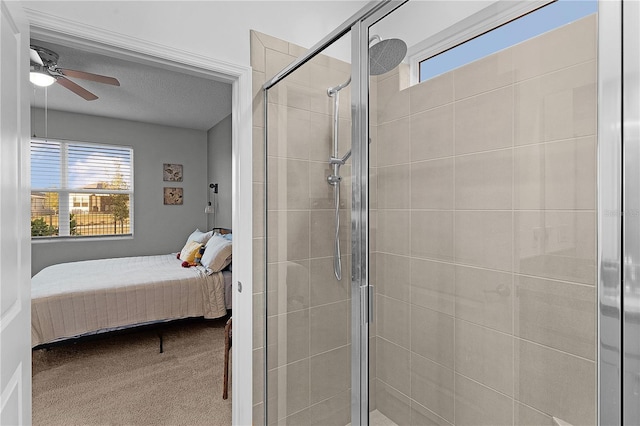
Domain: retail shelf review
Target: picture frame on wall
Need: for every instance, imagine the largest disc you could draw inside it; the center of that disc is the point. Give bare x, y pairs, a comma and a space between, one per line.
172, 172
173, 196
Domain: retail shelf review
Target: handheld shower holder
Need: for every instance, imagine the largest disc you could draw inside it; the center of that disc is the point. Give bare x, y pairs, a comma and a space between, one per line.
336, 160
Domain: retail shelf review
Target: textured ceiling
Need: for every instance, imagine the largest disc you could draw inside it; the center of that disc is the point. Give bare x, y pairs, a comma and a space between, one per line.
147, 94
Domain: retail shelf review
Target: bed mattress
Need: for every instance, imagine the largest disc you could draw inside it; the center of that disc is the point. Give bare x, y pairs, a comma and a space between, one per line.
78, 298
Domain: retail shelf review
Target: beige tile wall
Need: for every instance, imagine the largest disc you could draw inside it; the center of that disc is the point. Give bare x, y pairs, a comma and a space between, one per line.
485, 235
308, 319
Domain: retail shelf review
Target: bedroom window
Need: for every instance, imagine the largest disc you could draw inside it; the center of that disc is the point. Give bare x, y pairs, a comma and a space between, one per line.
80, 190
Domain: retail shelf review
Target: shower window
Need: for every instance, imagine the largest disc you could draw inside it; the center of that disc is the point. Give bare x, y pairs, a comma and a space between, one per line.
535, 23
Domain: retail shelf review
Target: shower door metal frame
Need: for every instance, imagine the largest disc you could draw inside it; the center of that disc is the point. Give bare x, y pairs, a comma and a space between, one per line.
360, 298
630, 265
362, 294
618, 212
610, 213
610, 217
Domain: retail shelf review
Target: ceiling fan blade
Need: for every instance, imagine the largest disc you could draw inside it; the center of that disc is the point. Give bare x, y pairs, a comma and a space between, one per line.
33, 55
78, 90
90, 76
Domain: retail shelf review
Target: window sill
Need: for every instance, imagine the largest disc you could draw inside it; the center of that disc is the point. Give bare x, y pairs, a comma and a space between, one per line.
45, 240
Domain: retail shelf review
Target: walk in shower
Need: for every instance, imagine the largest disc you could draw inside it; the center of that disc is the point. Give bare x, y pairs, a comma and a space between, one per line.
431, 250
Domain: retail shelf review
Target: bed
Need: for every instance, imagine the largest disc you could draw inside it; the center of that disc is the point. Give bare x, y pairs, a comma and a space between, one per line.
81, 298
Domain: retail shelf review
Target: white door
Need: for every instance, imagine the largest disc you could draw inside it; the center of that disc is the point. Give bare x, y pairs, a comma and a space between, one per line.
15, 244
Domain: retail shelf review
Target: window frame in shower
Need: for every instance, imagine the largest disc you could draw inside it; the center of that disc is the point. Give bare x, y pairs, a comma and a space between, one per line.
491, 17
503, 36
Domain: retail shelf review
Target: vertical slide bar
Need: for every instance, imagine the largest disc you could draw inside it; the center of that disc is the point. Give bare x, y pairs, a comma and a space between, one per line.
609, 212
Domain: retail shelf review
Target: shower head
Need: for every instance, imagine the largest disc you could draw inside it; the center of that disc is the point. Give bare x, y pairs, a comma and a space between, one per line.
386, 55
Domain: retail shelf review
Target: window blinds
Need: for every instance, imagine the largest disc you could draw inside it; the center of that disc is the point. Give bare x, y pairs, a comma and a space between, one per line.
80, 166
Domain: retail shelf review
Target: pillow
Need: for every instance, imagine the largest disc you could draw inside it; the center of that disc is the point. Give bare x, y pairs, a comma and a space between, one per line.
217, 254
200, 237
188, 253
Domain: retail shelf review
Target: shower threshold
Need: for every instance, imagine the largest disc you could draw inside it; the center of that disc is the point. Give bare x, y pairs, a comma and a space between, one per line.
376, 418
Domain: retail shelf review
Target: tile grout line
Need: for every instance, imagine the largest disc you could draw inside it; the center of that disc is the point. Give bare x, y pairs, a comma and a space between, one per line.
513, 257
454, 230
411, 396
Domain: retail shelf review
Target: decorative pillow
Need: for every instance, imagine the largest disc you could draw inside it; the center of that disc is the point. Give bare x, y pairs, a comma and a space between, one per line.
217, 254
200, 237
188, 253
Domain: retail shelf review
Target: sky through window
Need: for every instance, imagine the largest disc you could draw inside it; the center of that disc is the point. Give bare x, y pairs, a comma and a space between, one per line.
533, 24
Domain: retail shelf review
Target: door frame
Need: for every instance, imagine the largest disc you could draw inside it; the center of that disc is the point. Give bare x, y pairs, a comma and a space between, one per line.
75, 34
15, 236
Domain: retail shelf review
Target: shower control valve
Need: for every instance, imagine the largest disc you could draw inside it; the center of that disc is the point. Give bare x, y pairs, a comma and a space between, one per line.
333, 179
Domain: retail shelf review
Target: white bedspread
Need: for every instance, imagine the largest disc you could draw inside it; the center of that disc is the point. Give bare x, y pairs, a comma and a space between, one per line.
77, 298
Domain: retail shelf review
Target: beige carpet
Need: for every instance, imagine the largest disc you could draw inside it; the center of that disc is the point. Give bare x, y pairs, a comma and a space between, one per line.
124, 380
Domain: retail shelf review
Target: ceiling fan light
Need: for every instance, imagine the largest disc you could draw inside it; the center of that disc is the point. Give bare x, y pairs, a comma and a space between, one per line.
40, 79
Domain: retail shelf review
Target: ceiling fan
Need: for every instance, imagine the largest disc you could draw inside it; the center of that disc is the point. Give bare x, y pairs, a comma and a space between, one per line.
44, 71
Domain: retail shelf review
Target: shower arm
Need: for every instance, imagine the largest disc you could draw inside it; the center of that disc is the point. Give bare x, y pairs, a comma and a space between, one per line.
331, 91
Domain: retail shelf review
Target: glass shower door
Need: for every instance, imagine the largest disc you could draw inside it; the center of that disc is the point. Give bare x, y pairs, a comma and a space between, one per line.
308, 271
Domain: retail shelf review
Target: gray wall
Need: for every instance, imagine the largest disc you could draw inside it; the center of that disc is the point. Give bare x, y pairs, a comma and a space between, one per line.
157, 228
219, 145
